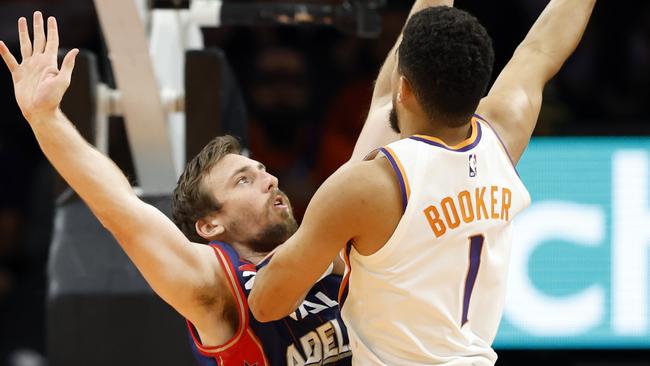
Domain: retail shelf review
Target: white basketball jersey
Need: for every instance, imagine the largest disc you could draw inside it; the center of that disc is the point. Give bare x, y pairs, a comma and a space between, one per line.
434, 293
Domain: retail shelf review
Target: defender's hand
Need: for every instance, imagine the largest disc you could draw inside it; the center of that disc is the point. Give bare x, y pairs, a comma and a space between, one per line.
39, 85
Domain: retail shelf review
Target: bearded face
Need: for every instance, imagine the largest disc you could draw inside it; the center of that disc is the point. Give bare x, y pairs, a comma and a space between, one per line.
253, 211
266, 229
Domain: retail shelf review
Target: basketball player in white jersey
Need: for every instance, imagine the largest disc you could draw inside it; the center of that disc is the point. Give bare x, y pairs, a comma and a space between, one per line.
426, 223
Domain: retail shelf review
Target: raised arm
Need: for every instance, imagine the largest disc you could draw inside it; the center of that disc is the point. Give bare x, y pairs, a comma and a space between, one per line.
514, 101
170, 263
376, 130
345, 209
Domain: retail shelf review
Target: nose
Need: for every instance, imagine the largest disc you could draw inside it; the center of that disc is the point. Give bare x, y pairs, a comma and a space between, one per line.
270, 182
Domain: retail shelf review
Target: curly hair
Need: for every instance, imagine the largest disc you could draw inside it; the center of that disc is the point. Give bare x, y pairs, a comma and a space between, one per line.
447, 57
190, 202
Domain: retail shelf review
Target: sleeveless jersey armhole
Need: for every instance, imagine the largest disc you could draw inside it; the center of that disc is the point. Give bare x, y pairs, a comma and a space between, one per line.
402, 179
242, 306
501, 143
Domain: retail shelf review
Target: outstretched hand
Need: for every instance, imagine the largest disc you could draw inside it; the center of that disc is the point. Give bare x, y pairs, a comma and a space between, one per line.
39, 85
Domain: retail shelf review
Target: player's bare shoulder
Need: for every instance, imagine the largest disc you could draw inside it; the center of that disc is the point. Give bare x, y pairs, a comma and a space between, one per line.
369, 178
377, 188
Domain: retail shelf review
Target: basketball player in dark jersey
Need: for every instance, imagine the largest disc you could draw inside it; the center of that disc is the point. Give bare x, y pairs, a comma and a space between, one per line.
223, 198
242, 228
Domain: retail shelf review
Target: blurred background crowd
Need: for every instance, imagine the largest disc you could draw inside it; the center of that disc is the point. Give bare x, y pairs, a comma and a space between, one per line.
307, 91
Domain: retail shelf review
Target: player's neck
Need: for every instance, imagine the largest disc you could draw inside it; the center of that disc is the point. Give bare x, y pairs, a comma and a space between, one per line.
420, 125
248, 254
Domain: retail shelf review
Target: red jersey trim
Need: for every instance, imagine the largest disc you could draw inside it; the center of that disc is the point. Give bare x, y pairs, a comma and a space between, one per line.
258, 343
242, 304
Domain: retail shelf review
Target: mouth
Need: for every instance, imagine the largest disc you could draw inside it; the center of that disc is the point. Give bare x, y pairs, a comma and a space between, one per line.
280, 203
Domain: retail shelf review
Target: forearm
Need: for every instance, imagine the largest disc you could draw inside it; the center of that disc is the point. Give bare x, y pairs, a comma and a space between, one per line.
175, 268
557, 32
168, 261
277, 292
98, 181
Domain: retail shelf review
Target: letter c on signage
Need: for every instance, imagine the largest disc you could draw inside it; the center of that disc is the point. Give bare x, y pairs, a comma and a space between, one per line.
533, 311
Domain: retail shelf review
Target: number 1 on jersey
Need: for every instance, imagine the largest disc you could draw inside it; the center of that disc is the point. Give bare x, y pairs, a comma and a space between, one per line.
475, 248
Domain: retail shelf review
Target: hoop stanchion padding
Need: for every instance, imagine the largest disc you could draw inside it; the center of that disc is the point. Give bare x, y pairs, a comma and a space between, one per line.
214, 104
100, 311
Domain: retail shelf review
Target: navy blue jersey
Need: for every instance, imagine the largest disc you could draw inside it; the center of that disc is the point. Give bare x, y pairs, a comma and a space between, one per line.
313, 335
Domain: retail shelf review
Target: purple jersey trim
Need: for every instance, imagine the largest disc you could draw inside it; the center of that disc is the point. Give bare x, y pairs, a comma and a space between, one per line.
479, 133
400, 178
476, 245
500, 141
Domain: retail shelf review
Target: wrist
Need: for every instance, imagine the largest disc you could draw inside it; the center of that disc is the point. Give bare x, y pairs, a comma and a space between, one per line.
43, 117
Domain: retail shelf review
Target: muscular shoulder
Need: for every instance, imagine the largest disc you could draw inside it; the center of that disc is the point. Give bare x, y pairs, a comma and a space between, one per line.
364, 182
369, 198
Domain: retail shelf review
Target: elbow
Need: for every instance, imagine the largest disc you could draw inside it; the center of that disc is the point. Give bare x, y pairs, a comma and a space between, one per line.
268, 301
261, 315
263, 311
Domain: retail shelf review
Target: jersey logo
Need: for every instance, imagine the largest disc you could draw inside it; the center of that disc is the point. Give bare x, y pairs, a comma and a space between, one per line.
322, 346
472, 165
309, 307
249, 364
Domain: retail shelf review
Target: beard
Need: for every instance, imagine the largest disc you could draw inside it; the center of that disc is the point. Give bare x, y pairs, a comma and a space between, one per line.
274, 233
273, 236
394, 120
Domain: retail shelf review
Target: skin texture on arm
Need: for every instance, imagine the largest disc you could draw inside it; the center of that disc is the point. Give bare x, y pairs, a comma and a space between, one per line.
376, 131
514, 101
346, 207
176, 269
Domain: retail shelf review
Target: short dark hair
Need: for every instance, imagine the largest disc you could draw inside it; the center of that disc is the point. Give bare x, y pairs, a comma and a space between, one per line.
447, 57
190, 201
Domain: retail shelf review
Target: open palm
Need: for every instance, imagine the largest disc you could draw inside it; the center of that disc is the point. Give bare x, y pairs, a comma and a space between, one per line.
39, 85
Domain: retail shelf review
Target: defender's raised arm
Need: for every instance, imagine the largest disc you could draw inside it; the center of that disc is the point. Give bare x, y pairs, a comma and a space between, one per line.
170, 263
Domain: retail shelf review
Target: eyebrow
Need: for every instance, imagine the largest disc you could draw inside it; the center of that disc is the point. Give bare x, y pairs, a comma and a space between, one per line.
246, 168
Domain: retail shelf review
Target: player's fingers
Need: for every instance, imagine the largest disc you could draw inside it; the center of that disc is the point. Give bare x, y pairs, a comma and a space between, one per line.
9, 59
68, 64
23, 36
39, 33
52, 46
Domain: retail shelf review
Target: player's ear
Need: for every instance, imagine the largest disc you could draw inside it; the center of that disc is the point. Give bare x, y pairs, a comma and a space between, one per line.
209, 228
404, 89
